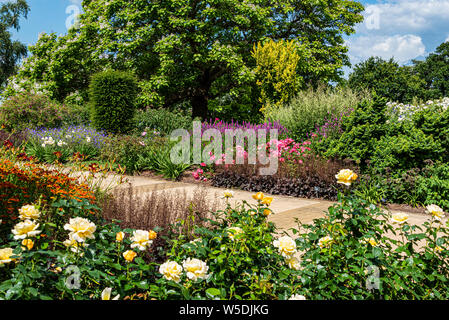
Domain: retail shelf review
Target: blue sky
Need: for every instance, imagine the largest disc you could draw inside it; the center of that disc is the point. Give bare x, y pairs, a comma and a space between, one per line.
403, 29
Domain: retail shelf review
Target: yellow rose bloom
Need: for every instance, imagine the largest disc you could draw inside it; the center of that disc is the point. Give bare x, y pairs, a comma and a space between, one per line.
29, 212
435, 211
228, 194
25, 229
293, 263
152, 235
258, 196
234, 231
266, 212
80, 229
28, 244
346, 177
286, 246
120, 236
129, 255
106, 294
5, 255
267, 200
141, 239
75, 246
371, 241
195, 269
171, 271
399, 218
325, 241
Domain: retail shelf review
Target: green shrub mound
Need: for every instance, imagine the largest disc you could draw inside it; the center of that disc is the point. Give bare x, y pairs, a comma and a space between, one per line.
112, 96
28, 110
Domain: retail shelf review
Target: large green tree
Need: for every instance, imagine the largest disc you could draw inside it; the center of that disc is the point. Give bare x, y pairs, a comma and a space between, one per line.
435, 72
388, 79
190, 52
10, 51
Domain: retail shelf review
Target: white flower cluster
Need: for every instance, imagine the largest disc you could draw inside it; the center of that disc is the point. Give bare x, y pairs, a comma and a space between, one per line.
48, 141
405, 111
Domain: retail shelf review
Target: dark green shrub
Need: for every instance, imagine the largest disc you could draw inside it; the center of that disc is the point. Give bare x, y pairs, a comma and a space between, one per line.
361, 131
404, 151
432, 186
161, 120
28, 110
112, 96
434, 121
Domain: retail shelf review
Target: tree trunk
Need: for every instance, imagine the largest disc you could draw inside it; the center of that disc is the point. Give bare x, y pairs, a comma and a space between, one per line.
199, 106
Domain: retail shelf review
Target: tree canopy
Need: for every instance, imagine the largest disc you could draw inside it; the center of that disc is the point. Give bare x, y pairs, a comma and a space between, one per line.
388, 79
189, 52
10, 51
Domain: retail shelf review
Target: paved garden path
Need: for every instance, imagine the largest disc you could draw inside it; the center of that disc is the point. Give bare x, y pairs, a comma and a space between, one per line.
287, 209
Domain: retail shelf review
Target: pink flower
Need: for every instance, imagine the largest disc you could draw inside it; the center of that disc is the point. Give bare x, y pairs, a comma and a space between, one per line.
202, 164
144, 134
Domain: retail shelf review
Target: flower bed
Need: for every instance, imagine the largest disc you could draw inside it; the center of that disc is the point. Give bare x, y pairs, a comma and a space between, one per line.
237, 255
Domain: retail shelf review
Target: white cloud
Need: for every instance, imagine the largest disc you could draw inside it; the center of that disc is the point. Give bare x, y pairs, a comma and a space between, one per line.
400, 47
447, 39
408, 16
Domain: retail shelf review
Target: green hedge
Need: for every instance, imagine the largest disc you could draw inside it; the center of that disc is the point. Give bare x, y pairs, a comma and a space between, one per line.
112, 96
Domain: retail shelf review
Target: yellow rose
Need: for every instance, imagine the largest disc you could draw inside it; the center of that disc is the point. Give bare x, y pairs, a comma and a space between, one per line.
293, 263
266, 212
28, 244
25, 229
346, 177
195, 269
286, 246
325, 241
75, 246
106, 294
399, 218
5, 255
435, 211
120, 236
228, 194
258, 196
171, 270
234, 231
267, 200
141, 239
371, 241
129, 255
152, 235
29, 212
80, 229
